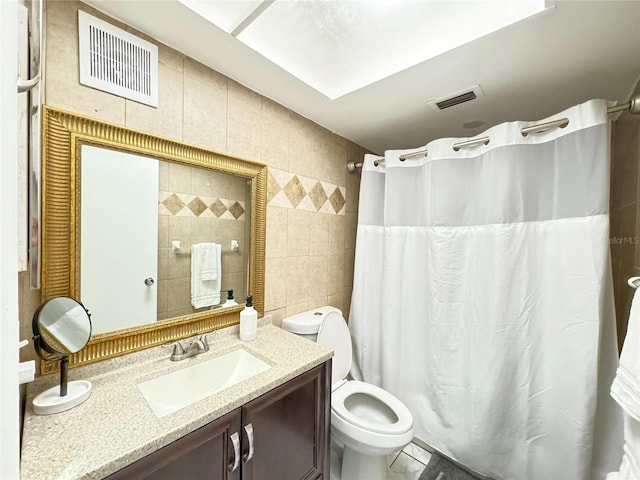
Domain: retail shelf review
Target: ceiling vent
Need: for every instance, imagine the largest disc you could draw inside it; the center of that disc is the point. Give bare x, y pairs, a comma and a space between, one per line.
456, 98
117, 62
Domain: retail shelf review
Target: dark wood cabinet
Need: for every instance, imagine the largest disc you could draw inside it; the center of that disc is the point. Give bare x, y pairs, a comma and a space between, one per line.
281, 435
203, 454
290, 428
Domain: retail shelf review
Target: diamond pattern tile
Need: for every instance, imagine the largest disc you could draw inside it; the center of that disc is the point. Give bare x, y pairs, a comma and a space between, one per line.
188, 205
236, 210
337, 200
318, 196
273, 188
294, 191
197, 206
173, 203
287, 190
218, 208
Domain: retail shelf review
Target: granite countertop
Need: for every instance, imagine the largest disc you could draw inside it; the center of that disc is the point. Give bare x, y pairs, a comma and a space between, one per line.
116, 426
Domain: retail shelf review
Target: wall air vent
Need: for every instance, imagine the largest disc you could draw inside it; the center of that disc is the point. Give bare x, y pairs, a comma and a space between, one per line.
456, 98
117, 62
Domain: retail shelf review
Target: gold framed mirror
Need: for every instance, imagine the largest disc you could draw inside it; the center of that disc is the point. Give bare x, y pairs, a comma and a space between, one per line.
66, 138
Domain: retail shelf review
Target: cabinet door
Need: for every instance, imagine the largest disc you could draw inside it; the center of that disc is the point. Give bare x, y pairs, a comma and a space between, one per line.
206, 453
290, 428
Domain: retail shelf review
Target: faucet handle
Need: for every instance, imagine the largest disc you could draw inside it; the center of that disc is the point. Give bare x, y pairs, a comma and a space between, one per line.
177, 348
203, 339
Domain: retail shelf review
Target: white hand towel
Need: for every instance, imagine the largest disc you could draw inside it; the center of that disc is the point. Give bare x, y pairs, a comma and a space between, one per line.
204, 292
208, 256
626, 391
630, 467
626, 386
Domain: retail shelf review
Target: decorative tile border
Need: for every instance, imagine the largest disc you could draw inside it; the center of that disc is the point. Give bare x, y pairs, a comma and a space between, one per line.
288, 190
188, 205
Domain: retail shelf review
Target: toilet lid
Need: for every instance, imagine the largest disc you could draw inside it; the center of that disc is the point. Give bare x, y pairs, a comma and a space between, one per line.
393, 418
307, 323
334, 333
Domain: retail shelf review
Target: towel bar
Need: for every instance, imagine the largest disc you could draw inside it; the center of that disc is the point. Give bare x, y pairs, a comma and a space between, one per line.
634, 282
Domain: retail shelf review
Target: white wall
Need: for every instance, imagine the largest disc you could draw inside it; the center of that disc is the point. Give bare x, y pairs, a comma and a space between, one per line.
9, 414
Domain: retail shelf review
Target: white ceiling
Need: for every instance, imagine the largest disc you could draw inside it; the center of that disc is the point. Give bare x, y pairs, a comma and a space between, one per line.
331, 46
572, 52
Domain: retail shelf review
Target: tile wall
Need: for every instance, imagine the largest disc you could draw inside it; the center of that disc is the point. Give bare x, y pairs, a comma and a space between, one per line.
625, 209
310, 241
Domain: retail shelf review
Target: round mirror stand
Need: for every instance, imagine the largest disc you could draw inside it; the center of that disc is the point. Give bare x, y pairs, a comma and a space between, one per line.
61, 326
60, 398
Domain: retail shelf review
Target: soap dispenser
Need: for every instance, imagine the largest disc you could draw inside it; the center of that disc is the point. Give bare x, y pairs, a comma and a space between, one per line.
230, 301
248, 321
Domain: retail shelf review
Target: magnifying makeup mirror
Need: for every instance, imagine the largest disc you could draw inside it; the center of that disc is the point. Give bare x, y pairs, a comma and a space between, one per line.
61, 327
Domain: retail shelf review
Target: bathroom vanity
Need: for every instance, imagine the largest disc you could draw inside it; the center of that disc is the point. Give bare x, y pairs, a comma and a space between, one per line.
272, 425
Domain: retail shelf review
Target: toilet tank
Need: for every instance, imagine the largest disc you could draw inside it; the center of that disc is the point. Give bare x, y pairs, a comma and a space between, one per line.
306, 324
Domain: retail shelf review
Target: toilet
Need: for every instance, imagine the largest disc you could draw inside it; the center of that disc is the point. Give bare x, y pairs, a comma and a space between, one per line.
368, 421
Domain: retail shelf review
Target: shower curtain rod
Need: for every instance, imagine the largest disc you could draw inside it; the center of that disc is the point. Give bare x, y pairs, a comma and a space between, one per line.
633, 105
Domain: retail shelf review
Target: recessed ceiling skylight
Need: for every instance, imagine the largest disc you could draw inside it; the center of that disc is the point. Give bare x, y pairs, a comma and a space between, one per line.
339, 46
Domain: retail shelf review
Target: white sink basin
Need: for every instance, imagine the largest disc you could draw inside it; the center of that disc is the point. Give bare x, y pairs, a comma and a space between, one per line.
176, 390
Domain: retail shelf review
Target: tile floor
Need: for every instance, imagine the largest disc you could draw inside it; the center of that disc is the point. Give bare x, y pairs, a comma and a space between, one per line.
407, 464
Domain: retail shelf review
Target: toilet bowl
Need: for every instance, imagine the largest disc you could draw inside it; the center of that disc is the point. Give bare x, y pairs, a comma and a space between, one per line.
368, 421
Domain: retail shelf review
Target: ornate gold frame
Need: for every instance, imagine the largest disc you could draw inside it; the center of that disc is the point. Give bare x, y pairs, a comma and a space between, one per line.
64, 133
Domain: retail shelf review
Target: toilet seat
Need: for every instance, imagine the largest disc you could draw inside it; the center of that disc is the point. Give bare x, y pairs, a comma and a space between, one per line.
402, 424
377, 411
368, 421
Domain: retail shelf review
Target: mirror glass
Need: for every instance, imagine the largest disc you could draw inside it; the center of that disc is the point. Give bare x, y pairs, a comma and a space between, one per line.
63, 326
164, 239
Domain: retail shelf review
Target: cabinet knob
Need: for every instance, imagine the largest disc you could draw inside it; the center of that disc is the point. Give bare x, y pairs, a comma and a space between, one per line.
249, 431
235, 441
149, 281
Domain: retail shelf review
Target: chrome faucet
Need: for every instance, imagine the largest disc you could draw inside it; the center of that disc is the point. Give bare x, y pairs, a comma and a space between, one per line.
193, 348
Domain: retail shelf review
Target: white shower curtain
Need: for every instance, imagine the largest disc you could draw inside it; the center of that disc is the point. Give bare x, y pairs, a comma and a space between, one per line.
483, 297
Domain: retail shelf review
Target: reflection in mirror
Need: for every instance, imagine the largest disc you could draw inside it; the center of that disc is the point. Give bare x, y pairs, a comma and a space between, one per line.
164, 239
197, 208
61, 326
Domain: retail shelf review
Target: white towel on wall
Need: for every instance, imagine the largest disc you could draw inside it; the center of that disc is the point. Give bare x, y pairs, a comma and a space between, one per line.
208, 256
626, 386
630, 466
205, 291
626, 391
